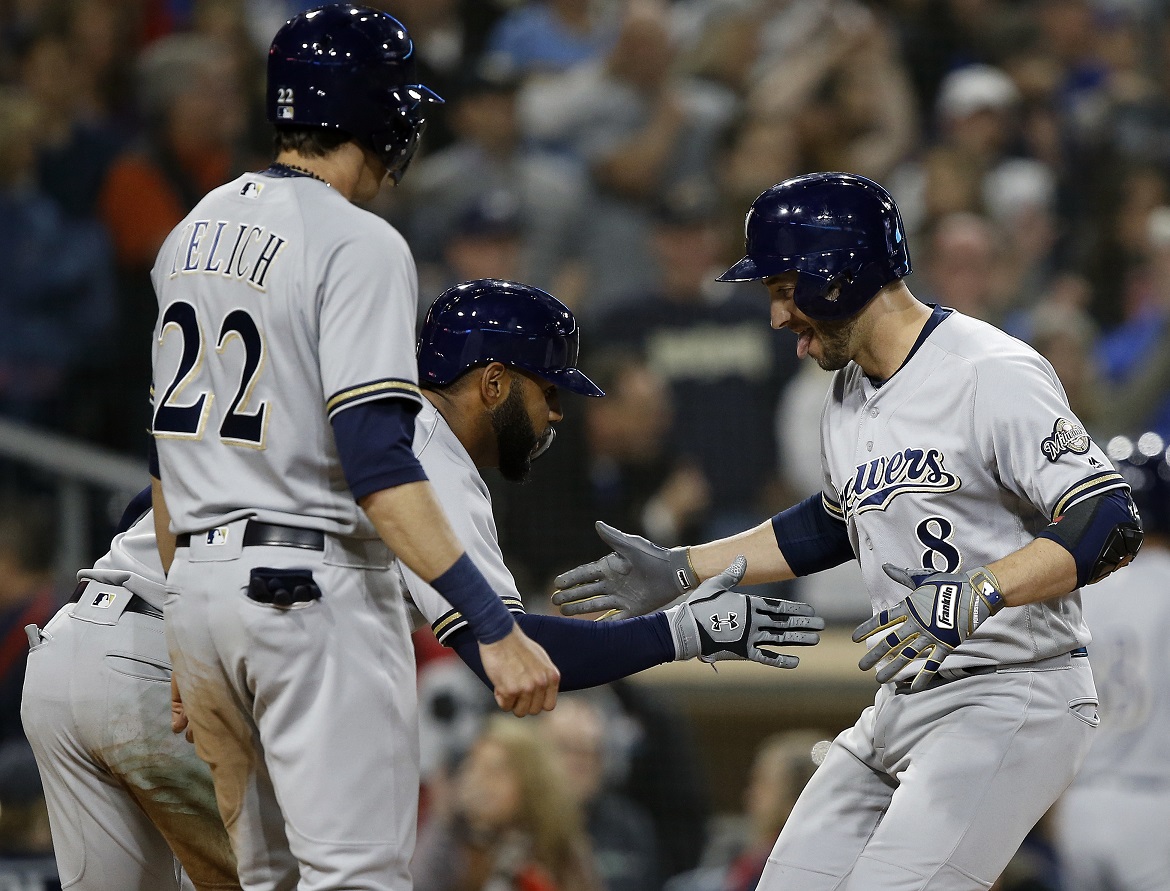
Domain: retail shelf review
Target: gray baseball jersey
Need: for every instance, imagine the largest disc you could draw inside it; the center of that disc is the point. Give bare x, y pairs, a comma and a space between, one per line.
280, 304
122, 791
958, 460
467, 502
1111, 826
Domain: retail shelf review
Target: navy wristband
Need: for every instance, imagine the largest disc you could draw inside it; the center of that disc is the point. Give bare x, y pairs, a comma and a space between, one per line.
464, 587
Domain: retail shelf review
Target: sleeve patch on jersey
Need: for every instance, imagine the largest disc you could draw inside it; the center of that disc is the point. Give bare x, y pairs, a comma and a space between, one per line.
1068, 437
371, 391
1094, 485
452, 620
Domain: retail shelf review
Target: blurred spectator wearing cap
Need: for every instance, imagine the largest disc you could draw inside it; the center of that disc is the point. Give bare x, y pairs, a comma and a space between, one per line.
57, 298
489, 167
485, 242
552, 35
639, 129
962, 267
705, 340
1112, 821
977, 123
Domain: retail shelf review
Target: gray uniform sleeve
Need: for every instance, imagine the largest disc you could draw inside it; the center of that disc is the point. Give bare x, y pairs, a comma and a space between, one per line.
467, 503
368, 305
1026, 430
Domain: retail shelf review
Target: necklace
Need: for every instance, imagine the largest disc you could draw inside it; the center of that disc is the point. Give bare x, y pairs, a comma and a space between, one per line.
293, 169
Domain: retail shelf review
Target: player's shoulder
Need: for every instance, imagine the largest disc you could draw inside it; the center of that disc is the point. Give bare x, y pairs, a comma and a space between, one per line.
979, 342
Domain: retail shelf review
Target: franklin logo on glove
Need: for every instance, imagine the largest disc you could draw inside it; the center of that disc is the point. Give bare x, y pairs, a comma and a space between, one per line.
944, 615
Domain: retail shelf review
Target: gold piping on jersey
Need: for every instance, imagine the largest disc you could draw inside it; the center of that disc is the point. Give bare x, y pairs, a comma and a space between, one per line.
450, 622
1094, 485
373, 390
832, 508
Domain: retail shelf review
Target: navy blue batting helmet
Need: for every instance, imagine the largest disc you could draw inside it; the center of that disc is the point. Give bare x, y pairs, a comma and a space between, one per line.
840, 231
1145, 464
490, 320
350, 68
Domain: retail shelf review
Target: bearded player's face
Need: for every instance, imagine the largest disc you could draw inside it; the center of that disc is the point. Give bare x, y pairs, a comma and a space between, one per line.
523, 423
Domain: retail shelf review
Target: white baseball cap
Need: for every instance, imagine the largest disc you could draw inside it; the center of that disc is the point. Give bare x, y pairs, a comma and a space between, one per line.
975, 88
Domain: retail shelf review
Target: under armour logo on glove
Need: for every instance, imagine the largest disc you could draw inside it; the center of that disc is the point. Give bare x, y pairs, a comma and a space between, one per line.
715, 624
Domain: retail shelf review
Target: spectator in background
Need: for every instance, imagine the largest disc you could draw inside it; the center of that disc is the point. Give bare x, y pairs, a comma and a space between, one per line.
706, 342
582, 729
962, 267
1020, 197
512, 824
57, 298
193, 115
977, 128
488, 164
553, 35
735, 856
486, 241
76, 140
1130, 349
640, 129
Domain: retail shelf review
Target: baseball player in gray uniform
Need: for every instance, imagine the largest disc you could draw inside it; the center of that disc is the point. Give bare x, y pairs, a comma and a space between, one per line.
976, 505
121, 791
285, 390
1111, 826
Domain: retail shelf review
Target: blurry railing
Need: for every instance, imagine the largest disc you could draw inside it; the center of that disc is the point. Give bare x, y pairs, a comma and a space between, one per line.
77, 469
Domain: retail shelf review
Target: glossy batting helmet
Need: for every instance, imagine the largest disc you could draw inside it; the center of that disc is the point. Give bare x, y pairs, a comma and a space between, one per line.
490, 320
840, 231
350, 68
1145, 464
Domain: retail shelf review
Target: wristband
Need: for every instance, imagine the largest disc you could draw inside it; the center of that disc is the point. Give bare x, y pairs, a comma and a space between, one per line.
464, 587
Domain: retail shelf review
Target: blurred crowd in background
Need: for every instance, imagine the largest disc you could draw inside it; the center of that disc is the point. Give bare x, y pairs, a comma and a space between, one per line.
607, 150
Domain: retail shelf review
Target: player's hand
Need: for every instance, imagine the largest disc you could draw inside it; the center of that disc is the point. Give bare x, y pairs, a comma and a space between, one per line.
715, 624
179, 722
639, 577
524, 677
942, 611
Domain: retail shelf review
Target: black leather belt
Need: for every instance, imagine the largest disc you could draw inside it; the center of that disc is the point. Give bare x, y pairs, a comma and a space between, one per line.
136, 605
257, 534
939, 680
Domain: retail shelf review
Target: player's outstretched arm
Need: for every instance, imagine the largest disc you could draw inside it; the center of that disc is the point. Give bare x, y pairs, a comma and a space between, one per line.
411, 521
640, 577
712, 624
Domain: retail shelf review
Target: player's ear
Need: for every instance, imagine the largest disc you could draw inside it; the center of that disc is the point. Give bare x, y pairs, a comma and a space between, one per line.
494, 383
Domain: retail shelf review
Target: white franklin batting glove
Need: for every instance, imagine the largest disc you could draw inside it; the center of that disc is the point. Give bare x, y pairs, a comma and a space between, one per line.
942, 611
639, 577
714, 624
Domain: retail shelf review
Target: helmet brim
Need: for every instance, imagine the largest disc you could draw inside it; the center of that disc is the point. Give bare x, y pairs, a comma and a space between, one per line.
746, 270
572, 379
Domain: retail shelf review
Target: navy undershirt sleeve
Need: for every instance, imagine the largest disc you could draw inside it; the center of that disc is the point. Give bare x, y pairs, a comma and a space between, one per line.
138, 505
587, 654
810, 538
374, 443
1086, 526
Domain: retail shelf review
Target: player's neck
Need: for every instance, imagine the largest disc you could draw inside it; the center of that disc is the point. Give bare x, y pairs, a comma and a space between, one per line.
893, 322
462, 419
342, 168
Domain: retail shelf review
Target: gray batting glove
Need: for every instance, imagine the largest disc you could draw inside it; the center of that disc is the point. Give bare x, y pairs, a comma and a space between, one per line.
714, 624
942, 611
639, 577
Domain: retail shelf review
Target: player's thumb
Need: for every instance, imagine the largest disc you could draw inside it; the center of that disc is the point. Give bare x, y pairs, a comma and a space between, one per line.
733, 574
901, 576
615, 538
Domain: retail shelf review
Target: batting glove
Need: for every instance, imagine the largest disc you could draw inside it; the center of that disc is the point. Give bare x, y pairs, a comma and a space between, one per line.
714, 624
942, 611
639, 577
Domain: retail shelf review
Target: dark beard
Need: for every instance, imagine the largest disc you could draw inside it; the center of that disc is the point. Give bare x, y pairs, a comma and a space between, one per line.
515, 436
835, 337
